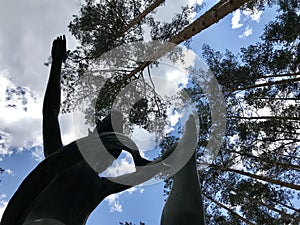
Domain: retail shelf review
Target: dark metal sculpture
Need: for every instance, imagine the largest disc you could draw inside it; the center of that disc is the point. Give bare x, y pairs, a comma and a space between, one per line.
184, 205
64, 189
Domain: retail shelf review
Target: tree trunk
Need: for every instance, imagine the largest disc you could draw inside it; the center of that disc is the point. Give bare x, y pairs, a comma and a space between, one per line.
141, 16
285, 205
259, 177
281, 75
265, 118
284, 165
277, 99
210, 17
285, 81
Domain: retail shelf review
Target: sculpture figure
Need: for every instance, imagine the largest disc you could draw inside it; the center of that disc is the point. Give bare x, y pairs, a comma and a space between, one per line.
64, 187
184, 205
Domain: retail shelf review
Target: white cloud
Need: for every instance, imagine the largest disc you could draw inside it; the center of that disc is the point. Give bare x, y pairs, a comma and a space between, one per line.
253, 14
235, 21
66, 122
175, 117
132, 190
166, 13
20, 118
248, 31
27, 29
5, 149
37, 153
9, 172
120, 166
143, 139
3, 204
113, 202
193, 2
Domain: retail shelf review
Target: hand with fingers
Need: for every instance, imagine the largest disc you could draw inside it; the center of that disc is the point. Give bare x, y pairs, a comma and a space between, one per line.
59, 49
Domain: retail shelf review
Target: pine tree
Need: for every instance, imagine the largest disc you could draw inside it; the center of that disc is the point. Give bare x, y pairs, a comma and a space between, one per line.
105, 25
256, 175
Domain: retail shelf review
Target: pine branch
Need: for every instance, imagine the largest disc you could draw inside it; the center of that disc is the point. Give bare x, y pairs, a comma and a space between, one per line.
284, 165
228, 209
259, 177
260, 202
285, 205
265, 118
280, 82
281, 75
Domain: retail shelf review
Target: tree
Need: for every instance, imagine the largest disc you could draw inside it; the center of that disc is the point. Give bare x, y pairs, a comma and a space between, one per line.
256, 176
98, 32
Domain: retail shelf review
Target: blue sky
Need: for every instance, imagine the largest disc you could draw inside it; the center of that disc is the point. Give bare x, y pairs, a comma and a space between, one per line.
27, 29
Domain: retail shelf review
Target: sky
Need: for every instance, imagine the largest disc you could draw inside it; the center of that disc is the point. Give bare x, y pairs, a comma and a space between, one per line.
27, 29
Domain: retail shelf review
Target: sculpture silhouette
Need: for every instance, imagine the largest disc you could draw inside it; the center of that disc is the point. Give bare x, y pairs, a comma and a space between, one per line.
184, 204
51, 107
64, 187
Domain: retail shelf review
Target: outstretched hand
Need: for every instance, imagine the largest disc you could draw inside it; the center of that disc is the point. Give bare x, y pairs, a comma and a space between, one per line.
59, 49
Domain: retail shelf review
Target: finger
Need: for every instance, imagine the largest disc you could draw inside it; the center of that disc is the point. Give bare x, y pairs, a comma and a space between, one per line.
64, 41
60, 42
54, 44
65, 48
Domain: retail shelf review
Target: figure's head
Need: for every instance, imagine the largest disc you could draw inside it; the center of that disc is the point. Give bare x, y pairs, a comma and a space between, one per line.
111, 123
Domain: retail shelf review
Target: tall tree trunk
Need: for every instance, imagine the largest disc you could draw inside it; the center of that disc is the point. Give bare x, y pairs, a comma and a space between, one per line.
259, 177
210, 17
141, 16
265, 118
281, 75
277, 98
284, 165
285, 81
285, 205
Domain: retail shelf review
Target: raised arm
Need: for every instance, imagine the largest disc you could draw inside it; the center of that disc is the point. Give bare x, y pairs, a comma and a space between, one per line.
51, 106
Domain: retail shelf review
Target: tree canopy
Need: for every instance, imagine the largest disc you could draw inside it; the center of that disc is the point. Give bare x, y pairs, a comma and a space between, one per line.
127, 23
255, 178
